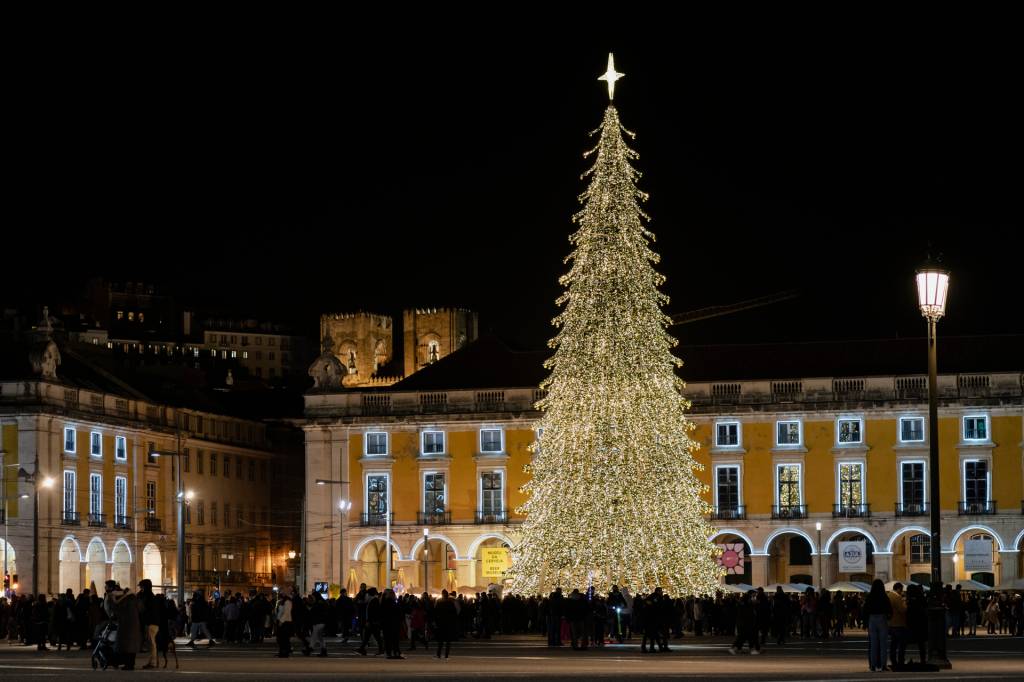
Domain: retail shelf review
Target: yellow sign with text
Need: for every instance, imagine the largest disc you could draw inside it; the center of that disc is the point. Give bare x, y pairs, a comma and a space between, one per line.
495, 560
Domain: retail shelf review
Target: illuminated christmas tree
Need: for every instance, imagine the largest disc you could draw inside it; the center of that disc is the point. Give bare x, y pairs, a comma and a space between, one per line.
613, 497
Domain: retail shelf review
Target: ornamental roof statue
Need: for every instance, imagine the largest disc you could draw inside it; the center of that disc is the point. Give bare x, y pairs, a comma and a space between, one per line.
327, 370
44, 354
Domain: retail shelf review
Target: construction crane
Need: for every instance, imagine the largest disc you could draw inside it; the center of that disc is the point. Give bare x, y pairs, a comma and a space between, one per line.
720, 310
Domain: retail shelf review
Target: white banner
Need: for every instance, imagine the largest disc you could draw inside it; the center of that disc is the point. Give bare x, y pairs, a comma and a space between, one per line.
853, 557
978, 555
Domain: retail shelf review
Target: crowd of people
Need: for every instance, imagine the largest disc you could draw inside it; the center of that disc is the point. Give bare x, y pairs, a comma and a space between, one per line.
389, 623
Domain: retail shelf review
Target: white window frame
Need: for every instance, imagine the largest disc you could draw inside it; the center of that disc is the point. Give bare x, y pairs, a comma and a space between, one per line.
366, 444
74, 440
366, 491
800, 473
95, 437
839, 480
800, 433
899, 478
501, 440
899, 428
963, 427
480, 487
69, 493
423, 489
95, 493
739, 477
839, 422
739, 433
120, 498
988, 478
423, 442
120, 445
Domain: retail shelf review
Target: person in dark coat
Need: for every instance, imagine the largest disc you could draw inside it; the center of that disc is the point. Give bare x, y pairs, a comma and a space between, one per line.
370, 618
782, 615
877, 611
445, 619
123, 607
346, 614
391, 617
746, 626
40, 622
917, 620
764, 615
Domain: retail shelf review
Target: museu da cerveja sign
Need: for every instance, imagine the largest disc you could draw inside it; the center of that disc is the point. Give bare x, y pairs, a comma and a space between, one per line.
853, 557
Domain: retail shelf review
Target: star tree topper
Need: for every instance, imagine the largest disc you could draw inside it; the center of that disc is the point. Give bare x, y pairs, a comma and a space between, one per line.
611, 75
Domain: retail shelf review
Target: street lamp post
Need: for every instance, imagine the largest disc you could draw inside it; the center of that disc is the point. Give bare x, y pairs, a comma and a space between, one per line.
182, 498
426, 555
343, 506
37, 483
932, 290
821, 579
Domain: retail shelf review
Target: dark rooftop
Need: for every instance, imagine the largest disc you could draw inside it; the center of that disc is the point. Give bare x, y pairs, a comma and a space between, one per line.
489, 363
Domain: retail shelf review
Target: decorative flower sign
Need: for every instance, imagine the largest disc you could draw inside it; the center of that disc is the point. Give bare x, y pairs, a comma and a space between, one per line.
733, 557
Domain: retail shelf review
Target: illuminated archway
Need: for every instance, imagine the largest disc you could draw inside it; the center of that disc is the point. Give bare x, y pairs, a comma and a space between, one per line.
70, 560
152, 564
121, 564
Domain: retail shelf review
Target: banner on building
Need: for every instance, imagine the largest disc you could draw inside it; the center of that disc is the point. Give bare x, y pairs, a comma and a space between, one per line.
733, 557
978, 555
853, 557
494, 561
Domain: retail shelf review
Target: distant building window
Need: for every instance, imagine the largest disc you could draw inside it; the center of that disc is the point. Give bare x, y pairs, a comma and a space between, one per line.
433, 442
69, 439
252, 470
199, 462
788, 433
238, 468
271, 355
131, 316
259, 340
263, 471
142, 317
151, 497
223, 355
213, 352
227, 514
271, 341
213, 513
200, 513
195, 352
376, 443
920, 549
186, 460
227, 466
850, 431
211, 338
272, 372
120, 314
727, 434
911, 429
976, 427
245, 355
234, 354
491, 440
224, 338
96, 444
213, 463
234, 339
121, 448
259, 371
151, 454
259, 355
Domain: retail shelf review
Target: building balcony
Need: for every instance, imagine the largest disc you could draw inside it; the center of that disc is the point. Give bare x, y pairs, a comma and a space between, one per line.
123, 522
97, 521
228, 577
434, 518
911, 509
489, 516
789, 511
70, 518
734, 512
152, 524
376, 519
850, 511
976, 508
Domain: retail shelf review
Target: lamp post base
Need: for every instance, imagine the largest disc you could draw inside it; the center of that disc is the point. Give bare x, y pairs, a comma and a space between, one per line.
937, 629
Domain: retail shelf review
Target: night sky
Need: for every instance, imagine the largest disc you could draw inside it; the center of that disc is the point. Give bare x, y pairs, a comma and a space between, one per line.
284, 178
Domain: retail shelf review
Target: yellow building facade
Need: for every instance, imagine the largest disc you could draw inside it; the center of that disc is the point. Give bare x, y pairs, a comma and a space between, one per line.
103, 469
793, 469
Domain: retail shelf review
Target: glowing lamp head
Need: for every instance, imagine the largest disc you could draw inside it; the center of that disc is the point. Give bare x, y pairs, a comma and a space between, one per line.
291, 554
426, 532
817, 526
47, 482
932, 290
190, 494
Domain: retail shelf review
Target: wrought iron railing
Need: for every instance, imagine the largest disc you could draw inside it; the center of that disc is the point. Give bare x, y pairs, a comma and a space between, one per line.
850, 511
911, 509
976, 508
123, 522
152, 524
434, 518
488, 516
97, 521
729, 512
70, 518
376, 519
789, 511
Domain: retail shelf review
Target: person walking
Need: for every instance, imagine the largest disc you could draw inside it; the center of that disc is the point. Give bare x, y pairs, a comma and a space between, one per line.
897, 627
445, 618
370, 617
150, 618
40, 622
877, 610
746, 626
123, 607
317, 615
283, 618
782, 615
199, 609
391, 617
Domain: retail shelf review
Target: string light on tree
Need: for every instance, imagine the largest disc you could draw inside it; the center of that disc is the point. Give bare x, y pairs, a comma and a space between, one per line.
613, 496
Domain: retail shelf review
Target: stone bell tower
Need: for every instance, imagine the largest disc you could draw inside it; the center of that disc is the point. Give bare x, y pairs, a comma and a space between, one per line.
429, 334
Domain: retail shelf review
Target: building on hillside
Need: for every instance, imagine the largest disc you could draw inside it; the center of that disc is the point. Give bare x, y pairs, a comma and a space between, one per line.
100, 458
375, 352
792, 436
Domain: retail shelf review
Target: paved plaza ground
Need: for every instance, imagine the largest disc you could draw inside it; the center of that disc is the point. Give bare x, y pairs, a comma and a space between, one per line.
996, 657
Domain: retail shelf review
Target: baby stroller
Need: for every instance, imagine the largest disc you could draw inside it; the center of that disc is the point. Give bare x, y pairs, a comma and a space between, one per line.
105, 653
